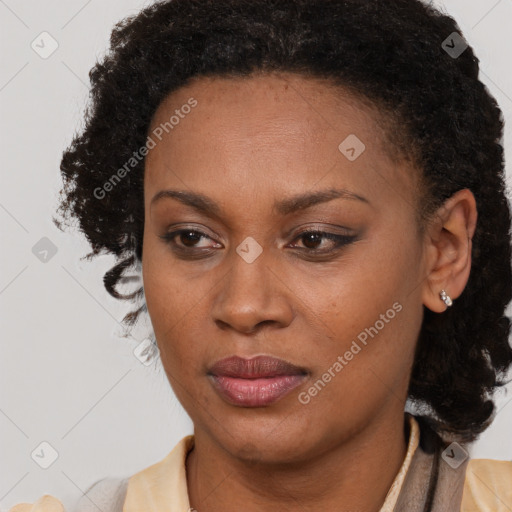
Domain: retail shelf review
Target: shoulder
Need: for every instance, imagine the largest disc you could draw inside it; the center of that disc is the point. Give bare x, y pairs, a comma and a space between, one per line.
487, 486
45, 503
107, 494
165, 477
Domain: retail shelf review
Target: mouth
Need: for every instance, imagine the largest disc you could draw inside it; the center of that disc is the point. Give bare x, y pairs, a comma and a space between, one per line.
255, 382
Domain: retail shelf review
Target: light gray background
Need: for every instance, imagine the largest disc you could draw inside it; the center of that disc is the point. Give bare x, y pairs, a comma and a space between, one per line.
67, 375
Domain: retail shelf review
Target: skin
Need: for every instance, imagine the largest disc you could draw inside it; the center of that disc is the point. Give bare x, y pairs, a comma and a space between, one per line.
248, 143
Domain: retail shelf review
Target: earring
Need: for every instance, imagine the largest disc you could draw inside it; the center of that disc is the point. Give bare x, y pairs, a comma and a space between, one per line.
446, 298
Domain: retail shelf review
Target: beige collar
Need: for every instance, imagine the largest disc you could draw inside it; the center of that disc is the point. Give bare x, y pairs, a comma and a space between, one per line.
396, 486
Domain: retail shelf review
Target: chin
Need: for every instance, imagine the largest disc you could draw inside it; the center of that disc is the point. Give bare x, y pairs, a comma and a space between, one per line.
282, 439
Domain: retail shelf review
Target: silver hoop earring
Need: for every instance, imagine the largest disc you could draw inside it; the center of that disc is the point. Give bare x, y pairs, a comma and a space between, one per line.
446, 298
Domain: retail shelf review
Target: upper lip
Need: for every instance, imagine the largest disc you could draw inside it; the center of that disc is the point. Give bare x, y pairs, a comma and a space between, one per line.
256, 367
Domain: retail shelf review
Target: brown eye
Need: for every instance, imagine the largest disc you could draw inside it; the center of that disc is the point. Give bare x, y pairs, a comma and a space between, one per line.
312, 240
188, 239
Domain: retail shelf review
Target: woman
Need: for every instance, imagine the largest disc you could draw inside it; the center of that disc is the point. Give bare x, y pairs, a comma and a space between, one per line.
315, 191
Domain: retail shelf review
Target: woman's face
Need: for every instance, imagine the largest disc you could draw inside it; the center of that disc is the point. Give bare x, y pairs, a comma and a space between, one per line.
260, 163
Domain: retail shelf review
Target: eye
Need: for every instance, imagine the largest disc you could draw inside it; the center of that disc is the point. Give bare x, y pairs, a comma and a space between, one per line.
315, 242
187, 239
312, 239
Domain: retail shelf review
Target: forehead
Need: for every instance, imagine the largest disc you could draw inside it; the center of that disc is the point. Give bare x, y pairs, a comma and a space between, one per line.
279, 131
260, 102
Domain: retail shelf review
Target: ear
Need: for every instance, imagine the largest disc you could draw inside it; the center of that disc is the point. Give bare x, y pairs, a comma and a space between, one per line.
448, 242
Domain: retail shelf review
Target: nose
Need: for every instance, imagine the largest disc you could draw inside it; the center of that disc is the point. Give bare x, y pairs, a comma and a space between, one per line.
253, 295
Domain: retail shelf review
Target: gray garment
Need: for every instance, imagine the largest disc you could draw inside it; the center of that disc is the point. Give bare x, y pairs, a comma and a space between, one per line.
105, 495
448, 491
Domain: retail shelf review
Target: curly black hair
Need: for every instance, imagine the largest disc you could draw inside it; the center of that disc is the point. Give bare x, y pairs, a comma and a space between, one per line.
390, 53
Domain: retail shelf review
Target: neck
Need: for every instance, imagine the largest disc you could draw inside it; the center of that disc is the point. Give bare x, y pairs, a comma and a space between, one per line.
356, 473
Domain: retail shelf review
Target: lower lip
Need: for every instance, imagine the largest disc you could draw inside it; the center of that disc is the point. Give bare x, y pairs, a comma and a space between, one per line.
255, 392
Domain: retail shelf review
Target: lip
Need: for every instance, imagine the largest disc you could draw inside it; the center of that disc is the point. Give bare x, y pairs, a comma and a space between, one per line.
254, 382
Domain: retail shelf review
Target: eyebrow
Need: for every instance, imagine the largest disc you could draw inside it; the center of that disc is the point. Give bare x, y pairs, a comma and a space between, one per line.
286, 206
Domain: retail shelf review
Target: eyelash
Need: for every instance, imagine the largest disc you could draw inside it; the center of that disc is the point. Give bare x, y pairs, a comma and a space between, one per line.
340, 241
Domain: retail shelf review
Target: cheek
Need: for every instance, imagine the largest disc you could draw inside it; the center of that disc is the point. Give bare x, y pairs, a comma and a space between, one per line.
179, 304
364, 285
170, 303
168, 293
371, 314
